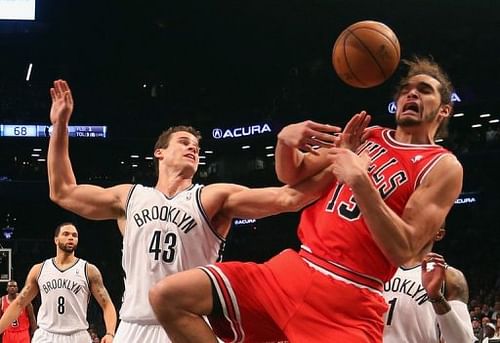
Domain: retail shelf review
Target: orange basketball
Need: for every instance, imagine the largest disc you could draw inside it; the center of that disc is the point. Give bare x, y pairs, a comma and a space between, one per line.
366, 54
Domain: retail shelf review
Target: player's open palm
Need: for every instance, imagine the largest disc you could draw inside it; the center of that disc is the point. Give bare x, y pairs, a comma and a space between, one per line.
62, 102
433, 274
353, 134
308, 134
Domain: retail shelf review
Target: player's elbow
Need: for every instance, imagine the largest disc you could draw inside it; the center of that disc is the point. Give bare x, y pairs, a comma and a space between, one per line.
60, 197
401, 255
292, 201
286, 176
56, 196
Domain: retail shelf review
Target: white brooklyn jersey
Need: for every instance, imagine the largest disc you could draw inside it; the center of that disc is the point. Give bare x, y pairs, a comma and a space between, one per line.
410, 317
162, 236
65, 296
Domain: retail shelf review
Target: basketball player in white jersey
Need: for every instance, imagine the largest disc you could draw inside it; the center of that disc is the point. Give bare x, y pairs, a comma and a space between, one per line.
172, 227
65, 283
427, 302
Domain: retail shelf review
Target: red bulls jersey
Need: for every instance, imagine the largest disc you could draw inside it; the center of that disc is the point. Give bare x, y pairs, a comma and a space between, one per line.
21, 323
333, 228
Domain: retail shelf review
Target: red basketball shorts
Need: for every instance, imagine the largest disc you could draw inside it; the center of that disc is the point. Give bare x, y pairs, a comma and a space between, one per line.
287, 299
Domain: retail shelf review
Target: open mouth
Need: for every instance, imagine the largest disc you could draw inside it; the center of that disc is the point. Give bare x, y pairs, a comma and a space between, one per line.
411, 106
191, 156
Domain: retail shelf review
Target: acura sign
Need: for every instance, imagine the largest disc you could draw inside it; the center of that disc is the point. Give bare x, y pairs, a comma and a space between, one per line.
251, 130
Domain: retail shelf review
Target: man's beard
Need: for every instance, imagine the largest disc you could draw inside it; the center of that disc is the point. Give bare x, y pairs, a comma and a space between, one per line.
414, 121
408, 122
66, 248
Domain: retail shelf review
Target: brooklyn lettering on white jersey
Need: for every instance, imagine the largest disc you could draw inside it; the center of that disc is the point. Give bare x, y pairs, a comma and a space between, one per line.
410, 317
65, 296
163, 236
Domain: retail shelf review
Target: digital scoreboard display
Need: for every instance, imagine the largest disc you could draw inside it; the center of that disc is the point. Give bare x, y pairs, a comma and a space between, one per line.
17, 9
83, 131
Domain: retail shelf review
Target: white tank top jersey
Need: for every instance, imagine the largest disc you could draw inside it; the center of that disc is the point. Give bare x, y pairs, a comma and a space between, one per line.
410, 317
162, 236
65, 296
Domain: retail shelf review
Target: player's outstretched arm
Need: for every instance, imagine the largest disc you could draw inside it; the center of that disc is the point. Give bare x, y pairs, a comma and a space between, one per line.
451, 308
27, 294
89, 201
101, 294
295, 158
263, 202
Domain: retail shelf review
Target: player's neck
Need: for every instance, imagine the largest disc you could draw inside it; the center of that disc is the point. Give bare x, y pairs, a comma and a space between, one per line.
413, 136
412, 263
11, 297
64, 259
170, 186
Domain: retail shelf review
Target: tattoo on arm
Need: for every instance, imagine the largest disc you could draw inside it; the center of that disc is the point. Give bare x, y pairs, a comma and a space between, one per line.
457, 288
99, 292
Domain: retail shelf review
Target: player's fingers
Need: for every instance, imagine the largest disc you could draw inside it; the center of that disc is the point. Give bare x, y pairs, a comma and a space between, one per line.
424, 264
353, 123
322, 127
52, 94
314, 151
434, 255
58, 87
322, 143
366, 122
68, 98
363, 124
325, 137
64, 86
311, 149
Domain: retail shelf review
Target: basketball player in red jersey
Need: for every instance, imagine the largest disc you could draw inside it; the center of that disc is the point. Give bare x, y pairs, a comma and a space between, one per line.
20, 330
368, 222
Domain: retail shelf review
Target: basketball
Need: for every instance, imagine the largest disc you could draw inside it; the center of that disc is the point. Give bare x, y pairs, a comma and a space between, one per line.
366, 54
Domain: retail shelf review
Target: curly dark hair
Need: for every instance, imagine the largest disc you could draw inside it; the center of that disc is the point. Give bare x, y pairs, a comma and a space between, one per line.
427, 66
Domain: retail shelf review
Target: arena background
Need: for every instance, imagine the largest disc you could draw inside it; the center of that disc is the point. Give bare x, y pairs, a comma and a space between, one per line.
139, 67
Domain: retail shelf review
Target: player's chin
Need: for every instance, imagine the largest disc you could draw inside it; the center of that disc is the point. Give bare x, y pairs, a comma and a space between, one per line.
69, 248
407, 121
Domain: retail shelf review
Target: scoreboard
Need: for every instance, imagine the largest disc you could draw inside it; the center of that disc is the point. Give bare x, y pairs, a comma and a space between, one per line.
13, 130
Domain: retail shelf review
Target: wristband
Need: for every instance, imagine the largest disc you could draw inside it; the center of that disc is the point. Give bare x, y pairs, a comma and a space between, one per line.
440, 299
109, 334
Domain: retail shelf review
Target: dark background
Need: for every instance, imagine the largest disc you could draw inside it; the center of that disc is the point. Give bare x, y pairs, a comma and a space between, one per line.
140, 67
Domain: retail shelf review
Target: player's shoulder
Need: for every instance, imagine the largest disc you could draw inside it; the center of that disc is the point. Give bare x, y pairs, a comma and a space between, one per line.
456, 285
36, 269
454, 274
92, 271
448, 164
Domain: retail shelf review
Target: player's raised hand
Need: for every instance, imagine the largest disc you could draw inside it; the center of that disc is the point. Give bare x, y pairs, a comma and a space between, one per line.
354, 133
308, 134
433, 274
62, 103
347, 166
